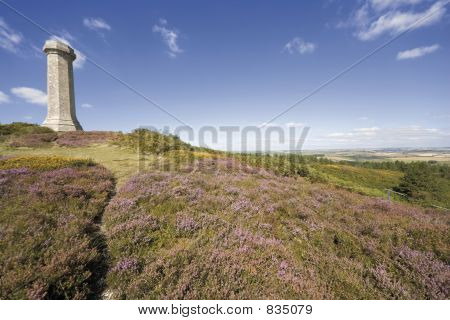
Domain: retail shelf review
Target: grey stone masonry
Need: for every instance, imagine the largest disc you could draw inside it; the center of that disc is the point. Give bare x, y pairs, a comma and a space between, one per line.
60, 88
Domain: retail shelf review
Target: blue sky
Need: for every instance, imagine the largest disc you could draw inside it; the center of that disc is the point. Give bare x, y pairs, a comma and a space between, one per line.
241, 63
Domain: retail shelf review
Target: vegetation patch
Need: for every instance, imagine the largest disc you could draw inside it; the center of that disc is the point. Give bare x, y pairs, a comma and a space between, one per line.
50, 246
21, 128
149, 141
19, 134
85, 138
233, 234
44, 163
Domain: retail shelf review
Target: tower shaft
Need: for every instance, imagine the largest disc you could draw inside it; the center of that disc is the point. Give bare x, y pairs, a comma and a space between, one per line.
61, 115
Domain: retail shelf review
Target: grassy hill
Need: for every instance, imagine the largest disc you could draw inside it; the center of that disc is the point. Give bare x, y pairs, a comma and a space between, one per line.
192, 223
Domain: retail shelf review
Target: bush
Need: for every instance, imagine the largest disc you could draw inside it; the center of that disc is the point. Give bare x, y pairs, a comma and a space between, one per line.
20, 128
44, 163
426, 183
148, 141
17, 129
85, 138
20, 134
33, 140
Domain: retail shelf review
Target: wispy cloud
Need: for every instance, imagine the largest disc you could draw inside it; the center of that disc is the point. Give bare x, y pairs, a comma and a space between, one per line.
9, 38
358, 132
416, 52
96, 24
394, 21
295, 124
87, 105
374, 136
30, 95
298, 45
4, 98
169, 36
384, 4
375, 18
65, 37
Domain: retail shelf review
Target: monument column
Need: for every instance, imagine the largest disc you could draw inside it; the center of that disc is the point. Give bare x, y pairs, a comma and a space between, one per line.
60, 88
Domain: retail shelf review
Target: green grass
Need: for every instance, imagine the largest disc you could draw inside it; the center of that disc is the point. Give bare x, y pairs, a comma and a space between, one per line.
371, 182
122, 162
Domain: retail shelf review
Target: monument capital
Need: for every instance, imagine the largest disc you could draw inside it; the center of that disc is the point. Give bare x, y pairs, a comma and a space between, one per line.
58, 47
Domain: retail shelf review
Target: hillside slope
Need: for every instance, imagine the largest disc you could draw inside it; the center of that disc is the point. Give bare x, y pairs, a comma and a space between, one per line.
197, 223
218, 233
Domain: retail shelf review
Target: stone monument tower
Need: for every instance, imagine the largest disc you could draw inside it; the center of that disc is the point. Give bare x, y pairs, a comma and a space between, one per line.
60, 89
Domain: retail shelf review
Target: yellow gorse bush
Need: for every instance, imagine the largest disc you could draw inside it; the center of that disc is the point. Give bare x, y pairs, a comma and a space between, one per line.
44, 162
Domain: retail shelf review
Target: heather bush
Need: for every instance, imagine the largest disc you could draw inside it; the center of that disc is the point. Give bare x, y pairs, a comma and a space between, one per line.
50, 246
33, 140
233, 234
85, 138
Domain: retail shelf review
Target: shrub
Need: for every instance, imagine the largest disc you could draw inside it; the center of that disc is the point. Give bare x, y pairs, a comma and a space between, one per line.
20, 128
85, 138
148, 141
33, 140
44, 163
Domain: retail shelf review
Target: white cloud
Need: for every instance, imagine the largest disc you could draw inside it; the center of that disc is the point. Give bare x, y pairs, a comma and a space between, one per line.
4, 98
295, 124
361, 17
9, 38
369, 137
394, 21
81, 58
416, 52
96, 24
367, 131
169, 36
87, 105
30, 95
298, 45
384, 4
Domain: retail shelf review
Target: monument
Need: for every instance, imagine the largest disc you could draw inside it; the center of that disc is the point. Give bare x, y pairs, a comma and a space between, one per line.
60, 88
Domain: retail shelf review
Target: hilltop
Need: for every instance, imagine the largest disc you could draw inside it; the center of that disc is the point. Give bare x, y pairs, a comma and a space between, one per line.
196, 223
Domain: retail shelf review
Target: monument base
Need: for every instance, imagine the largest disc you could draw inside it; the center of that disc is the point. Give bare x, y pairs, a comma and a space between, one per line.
62, 125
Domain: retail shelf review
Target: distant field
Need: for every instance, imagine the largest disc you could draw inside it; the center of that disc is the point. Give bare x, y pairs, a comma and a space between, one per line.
407, 156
